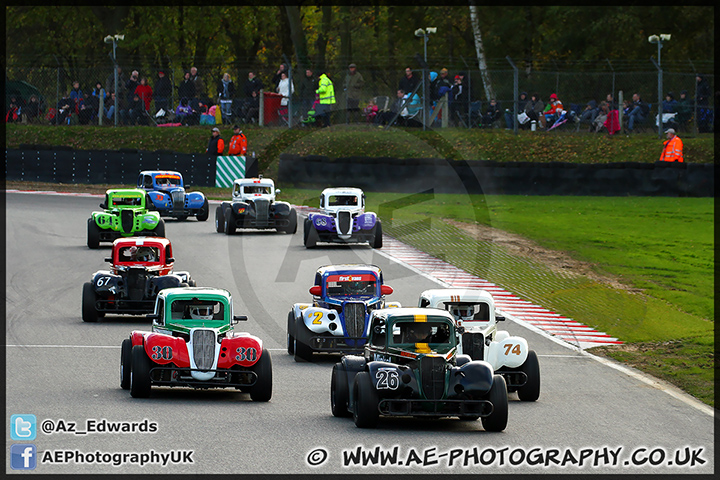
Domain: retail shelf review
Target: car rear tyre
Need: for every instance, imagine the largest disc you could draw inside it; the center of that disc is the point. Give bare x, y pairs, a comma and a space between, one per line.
290, 336
262, 390
292, 225
497, 420
159, 230
365, 412
310, 234
219, 220
230, 225
125, 362
378, 240
531, 390
89, 310
93, 234
204, 212
303, 353
339, 391
139, 373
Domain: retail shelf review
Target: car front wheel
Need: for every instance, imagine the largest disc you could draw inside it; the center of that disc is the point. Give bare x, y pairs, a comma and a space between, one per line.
339, 391
140, 373
531, 390
365, 412
125, 361
262, 390
204, 212
89, 310
497, 420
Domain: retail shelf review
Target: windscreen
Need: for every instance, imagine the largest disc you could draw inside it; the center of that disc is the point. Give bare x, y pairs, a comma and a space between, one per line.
168, 180
196, 309
141, 253
351, 284
343, 200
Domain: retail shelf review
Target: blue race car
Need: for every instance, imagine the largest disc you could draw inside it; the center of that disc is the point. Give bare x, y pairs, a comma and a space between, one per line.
337, 319
167, 192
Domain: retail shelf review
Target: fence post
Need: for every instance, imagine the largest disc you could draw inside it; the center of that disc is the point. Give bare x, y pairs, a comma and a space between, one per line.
620, 109
660, 97
261, 114
515, 94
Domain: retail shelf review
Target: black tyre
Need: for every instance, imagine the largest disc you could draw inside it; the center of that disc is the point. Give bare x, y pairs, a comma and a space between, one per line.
292, 226
140, 373
262, 390
339, 391
365, 412
181, 218
159, 230
125, 362
204, 212
531, 390
497, 420
93, 234
378, 240
230, 224
303, 352
310, 235
219, 220
290, 331
89, 310
192, 283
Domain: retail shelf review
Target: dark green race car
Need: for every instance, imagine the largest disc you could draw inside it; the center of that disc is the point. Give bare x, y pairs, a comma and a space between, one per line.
125, 214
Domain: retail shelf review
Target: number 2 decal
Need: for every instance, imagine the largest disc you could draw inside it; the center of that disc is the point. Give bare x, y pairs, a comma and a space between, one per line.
318, 316
512, 348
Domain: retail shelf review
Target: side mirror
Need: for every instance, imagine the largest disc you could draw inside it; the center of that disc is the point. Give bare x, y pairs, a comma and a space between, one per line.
499, 318
460, 329
316, 290
238, 318
103, 206
170, 260
108, 259
277, 190
152, 316
386, 289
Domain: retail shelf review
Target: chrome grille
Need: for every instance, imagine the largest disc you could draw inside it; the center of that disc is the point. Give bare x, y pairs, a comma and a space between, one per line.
344, 223
262, 208
178, 200
354, 314
127, 220
136, 282
432, 371
204, 349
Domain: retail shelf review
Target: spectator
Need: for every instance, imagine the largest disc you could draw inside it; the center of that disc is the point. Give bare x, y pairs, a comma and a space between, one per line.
534, 110
413, 105
409, 81
553, 111
186, 89
278, 75
76, 95
672, 148
458, 101
492, 114
353, 86
185, 114
684, 110
638, 112
370, 111
12, 114
611, 102
163, 92
250, 110
704, 115
306, 90
598, 122
121, 84
238, 142
110, 110
384, 118
137, 114
199, 85
131, 85
285, 88
33, 109
216, 145
326, 97
144, 91
522, 102
443, 84
590, 113
669, 105
226, 93
89, 109
254, 84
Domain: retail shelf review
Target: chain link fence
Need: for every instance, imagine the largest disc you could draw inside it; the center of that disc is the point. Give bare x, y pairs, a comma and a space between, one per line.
52, 86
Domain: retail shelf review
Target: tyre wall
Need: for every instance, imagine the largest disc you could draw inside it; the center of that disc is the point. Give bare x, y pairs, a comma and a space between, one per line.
508, 178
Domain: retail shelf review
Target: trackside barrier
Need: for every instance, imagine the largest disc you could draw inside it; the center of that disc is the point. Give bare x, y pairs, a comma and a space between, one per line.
228, 169
506, 178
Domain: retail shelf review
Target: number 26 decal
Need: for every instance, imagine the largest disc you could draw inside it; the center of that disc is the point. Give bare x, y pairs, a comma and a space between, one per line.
512, 348
387, 379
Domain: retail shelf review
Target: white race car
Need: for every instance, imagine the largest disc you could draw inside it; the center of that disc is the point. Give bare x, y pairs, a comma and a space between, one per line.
474, 311
253, 205
343, 219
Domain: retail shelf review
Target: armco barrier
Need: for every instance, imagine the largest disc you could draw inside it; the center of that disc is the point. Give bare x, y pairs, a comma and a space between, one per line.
509, 178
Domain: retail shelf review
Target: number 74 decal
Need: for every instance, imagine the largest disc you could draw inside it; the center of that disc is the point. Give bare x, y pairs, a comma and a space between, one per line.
512, 348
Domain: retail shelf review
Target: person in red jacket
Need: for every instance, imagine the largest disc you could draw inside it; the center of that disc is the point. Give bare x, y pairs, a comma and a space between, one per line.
672, 148
144, 91
238, 142
216, 145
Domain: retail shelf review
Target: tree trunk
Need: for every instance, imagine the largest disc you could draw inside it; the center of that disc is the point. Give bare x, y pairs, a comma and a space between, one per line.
297, 34
480, 52
322, 39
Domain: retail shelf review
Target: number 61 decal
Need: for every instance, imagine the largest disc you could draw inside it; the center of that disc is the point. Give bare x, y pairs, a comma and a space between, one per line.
512, 348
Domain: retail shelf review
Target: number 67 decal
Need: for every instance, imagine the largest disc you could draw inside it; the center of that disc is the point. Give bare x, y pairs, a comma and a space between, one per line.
512, 348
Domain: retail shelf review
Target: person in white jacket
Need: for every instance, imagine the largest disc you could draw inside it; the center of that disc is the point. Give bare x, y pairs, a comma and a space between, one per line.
285, 88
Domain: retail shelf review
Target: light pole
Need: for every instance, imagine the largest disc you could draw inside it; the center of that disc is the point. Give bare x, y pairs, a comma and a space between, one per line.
425, 34
114, 39
659, 40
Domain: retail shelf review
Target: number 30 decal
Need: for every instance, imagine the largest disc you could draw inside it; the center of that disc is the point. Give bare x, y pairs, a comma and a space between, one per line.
161, 353
512, 348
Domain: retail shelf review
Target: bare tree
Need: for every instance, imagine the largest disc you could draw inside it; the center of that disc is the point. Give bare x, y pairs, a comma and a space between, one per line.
480, 52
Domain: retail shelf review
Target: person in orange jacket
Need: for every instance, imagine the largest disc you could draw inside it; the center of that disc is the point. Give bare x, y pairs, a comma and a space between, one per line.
238, 142
216, 145
672, 148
